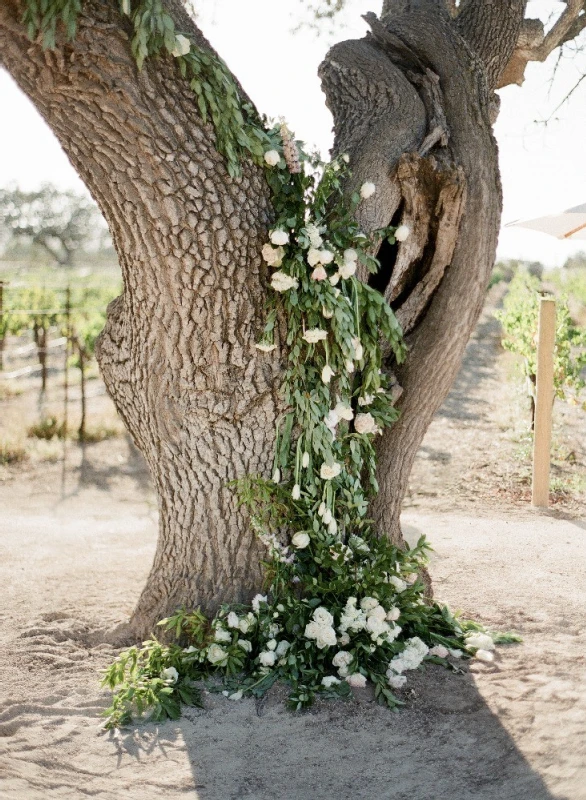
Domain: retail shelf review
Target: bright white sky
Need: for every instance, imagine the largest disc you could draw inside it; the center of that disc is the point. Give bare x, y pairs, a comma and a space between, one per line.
543, 168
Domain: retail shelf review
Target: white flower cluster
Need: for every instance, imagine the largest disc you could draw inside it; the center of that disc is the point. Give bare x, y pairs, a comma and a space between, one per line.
370, 617
321, 628
482, 643
411, 657
326, 515
274, 651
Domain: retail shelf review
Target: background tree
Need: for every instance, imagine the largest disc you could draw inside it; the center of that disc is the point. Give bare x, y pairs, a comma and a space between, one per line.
60, 222
413, 105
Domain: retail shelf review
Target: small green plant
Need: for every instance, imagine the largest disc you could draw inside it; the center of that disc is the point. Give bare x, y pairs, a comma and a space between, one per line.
47, 428
11, 453
519, 319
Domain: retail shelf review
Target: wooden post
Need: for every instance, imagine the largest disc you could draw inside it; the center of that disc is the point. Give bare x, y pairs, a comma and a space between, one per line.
543, 403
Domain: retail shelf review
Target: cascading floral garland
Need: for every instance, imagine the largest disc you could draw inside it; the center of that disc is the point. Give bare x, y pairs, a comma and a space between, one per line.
343, 606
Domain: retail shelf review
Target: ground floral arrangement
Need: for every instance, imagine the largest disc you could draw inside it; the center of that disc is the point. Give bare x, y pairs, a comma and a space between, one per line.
343, 606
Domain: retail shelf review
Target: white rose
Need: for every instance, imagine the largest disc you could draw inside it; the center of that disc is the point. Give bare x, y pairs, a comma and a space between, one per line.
396, 681
245, 645
344, 639
326, 256
170, 675
300, 540
272, 645
364, 423
350, 255
344, 411
331, 419
305, 460
349, 366
232, 620
326, 638
402, 233
368, 603
272, 255
327, 516
440, 651
329, 471
267, 658
314, 335
279, 237
276, 476
357, 680
222, 636
335, 278
367, 190
319, 273
296, 493
393, 614
342, 659
366, 400
484, 655
399, 585
327, 374
330, 680
313, 257
322, 509
281, 282
479, 640
378, 612
282, 648
322, 616
347, 270
257, 600
217, 654
313, 235
326, 312
181, 47
272, 158
332, 527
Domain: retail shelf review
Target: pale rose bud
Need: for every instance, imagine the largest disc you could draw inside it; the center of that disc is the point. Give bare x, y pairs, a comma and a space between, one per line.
358, 349
326, 256
332, 527
313, 257
440, 651
402, 233
272, 158
327, 374
484, 655
350, 255
335, 278
346, 158
277, 476
319, 273
349, 366
300, 540
393, 614
327, 314
347, 269
322, 509
305, 460
357, 680
327, 516
296, 493
279, 237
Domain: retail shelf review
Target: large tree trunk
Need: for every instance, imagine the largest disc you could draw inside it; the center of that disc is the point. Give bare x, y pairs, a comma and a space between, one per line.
411, 106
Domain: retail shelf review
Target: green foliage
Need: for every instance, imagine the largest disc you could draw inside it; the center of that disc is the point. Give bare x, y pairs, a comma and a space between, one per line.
519, 319
42, 17
48, 428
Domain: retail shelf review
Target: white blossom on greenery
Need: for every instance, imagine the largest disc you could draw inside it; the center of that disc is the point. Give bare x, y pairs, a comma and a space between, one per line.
350, 366
217, 654
357, 680
272, 644
181, 47
365, 423
272, 255
367, 190
319, 273
350, 255
329, 680
399, 584
313, 234
279, 237
456, 653
170, 675
257, 600
479, 640
326, 256
411, 657
281, 282
335, 278
272, 158
233, 620
300, 540
365, 400
329, 471
393, 614
314, 335
305, 460
332, 527
247, 622
327, 374
222, 635
277, 476
267, 658
344, 411
347, 270
313, 257
439, 650
358, 350
327, 313
245, 645
296, 493
402, 233
332, 419
342, 660
368, 603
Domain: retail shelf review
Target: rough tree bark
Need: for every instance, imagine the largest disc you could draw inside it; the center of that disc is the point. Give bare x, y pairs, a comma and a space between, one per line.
412, 104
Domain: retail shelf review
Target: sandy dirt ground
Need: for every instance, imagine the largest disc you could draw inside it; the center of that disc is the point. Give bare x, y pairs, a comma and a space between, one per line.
76, 547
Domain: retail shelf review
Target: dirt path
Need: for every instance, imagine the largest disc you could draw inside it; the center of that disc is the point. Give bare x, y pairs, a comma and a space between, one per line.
75, 548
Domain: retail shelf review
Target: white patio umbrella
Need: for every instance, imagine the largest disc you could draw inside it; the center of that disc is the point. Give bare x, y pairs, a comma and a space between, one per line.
570, 224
